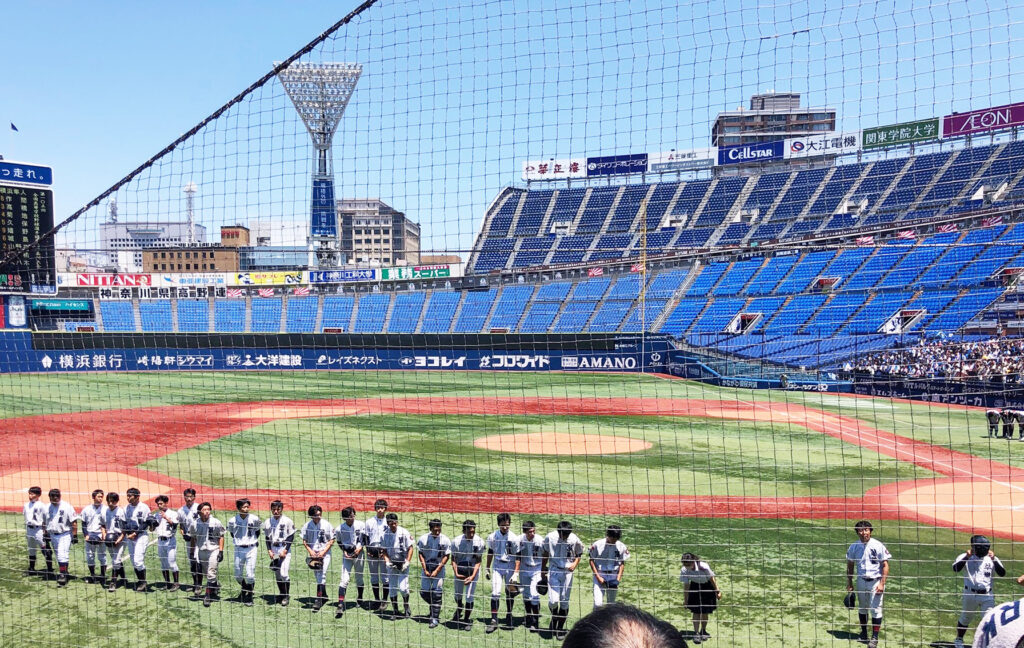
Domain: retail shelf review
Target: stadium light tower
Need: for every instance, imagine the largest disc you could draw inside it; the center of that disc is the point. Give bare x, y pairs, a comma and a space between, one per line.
320, 92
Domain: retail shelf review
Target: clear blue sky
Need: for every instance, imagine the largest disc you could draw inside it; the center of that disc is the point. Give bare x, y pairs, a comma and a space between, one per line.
455, 95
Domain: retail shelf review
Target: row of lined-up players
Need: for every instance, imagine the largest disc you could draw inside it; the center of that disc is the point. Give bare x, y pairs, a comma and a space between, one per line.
1009, 418
532, 564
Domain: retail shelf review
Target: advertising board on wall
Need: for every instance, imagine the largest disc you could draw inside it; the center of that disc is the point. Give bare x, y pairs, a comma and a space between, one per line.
267, 278
821, 145
342, 276
685, 160
100, 280
751, 153
616, 164
986, 119
555, 169
922, 130
416, 272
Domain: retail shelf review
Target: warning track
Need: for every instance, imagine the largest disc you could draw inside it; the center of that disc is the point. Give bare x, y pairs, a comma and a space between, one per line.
72, 449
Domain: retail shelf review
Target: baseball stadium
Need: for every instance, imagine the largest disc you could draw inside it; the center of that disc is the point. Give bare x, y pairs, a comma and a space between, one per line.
719, 302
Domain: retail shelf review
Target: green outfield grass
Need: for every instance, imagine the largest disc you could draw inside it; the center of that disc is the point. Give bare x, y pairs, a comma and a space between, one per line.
689, 455
779, 577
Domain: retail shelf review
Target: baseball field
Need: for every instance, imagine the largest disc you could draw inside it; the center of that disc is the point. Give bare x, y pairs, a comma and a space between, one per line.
764, 485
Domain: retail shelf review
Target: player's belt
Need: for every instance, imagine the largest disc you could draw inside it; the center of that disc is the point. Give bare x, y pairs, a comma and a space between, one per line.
868, 579
164, 538
33, 526
245, 546
977, 591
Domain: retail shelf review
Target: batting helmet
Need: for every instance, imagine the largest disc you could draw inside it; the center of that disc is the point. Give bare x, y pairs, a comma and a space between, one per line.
981, 545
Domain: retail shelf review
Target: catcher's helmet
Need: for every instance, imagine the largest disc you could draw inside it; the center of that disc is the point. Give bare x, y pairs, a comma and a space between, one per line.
981, 545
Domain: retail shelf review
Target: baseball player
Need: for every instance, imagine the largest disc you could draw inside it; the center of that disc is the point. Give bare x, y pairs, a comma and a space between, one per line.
113, 537
186, 520
467, 554
279, 532
531, 550
435, 550
318, 538
398, 545
992, 416
374, 528
207, 545
869, 559
167, 541
1018, 417
608, 558
1006, 414
35, 530
137, 535
503, 553
978, 565
562, 552
244, 529
1002, 626
349, 536
62, 528
93, 516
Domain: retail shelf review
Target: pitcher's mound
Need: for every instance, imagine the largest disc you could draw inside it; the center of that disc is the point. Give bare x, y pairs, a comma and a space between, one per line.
75, 487
561, 443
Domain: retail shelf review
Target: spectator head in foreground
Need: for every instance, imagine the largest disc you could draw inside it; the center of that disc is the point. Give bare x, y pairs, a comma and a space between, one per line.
622, 626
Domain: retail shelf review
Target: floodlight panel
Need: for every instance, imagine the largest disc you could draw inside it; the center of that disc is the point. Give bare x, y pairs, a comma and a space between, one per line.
320, 93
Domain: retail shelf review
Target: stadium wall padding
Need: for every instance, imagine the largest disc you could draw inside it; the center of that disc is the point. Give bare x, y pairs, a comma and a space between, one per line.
25, 352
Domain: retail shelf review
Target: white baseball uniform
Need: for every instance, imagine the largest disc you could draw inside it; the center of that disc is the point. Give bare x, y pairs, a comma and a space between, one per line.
560, 554
466, 553
505, 547
114, 524
1001, 627
978, 596
167, 540
868, 557
433, 550
35, 525
317, 536
350, 539
245, 533
530, 555
374, 528
279, 533
58, 526
136, 548
397, 543
206, 536
607, 557
93, 518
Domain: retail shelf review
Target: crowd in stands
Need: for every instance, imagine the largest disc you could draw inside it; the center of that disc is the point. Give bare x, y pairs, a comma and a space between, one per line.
995, 360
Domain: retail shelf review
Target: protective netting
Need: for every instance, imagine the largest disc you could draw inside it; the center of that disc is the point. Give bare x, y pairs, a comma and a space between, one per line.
710, 279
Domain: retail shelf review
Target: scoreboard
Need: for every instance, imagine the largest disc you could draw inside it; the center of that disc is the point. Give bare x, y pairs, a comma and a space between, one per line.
26, 213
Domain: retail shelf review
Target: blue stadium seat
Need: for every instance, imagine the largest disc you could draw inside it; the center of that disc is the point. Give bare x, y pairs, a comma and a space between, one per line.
193, 315
371, 312
301, 317
229, 315
266, 315
156, 316
440, 311
117, 316
337, 312
406, 313
475, 309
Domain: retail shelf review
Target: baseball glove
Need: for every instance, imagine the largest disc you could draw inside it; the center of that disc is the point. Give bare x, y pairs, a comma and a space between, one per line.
315, 564
275, 564
542, 585
611, 583
93, 538
432, 565
512, 589
464, 570
850, 600
398, 565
